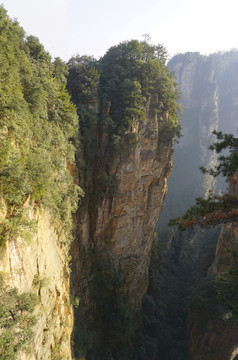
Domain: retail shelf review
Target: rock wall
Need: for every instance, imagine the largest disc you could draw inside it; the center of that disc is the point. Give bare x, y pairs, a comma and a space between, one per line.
123, 225
41, 267
127, 221
209, 103
212, 327
121, 229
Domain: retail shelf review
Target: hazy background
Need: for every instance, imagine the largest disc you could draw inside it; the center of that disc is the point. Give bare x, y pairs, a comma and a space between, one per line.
67, 27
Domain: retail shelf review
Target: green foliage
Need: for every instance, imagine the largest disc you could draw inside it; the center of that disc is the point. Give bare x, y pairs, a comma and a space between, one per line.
131, 74
227, 281
38, 124
208, 212
113, 97
36, 50
83, 79
40, 282
227, 164
74, 301
215, 209
16, 224
16, 320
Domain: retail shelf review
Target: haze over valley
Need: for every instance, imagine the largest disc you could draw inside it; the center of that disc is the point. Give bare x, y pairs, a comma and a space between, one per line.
118, 180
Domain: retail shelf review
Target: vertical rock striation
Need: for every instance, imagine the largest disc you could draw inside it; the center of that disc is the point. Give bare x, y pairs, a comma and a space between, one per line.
123, 224
128, 118
213, 334
208, 86
40, 266
38, 193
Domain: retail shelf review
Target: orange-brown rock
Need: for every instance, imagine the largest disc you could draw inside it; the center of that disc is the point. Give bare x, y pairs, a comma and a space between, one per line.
41, 266
122, 226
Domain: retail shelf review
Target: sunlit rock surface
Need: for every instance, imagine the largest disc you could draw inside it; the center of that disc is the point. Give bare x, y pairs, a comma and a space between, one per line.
122, 226
40, 266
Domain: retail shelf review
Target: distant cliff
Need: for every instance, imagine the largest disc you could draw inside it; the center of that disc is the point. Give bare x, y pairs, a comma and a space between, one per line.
208, 86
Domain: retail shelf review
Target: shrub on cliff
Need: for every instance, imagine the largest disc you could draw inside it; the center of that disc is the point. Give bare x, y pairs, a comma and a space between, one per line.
134, 74
217, 210
16, 320
113, 96
37, 128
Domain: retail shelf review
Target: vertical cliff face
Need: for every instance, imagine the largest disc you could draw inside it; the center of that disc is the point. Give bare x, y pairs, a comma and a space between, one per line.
209, 104
40, 266
37, 197
127, 109
200, 100
119, 232
214, 333
123, 225
212, 327
128, 120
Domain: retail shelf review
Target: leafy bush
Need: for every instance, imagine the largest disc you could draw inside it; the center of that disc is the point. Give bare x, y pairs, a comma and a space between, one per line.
133, 73
113, 96
38, 125
16, 320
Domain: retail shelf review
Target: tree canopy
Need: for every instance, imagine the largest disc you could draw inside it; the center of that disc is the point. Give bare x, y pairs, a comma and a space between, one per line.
134, 74
37, 125
126, 79
216, 209
113, 96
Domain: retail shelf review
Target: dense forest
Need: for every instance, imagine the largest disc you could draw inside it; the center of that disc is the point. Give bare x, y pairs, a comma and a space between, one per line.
113, 97
87, 144
38, 138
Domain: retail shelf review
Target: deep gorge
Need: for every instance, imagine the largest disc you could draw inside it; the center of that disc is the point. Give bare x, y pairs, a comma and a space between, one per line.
86, 150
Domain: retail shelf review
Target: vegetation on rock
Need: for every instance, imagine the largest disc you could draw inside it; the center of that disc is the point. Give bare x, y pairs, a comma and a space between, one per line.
134, 78
116, 98
16, 320
38, 125
129, 84
182, 303
216, 209
220, 210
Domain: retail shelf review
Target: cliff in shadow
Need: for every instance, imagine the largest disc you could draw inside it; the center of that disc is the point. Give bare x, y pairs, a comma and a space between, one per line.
128, 118
208, 104
213, 318
208, 89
